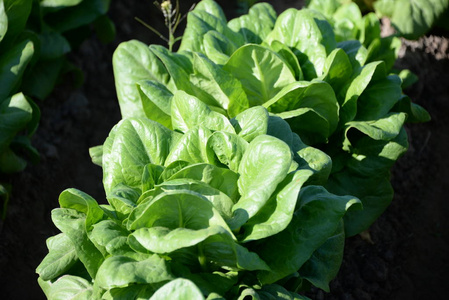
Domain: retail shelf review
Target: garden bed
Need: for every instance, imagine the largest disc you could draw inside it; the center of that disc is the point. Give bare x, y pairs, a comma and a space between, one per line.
405, 256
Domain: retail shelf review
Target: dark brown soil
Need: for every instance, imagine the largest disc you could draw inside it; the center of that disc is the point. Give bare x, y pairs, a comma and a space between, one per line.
409, 256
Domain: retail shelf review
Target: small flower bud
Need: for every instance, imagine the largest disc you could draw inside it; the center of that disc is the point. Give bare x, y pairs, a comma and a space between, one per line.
166, 8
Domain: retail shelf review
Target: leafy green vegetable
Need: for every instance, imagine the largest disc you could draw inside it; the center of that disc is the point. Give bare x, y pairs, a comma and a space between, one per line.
33, 45
349, 24
176, 209
412, 18
233, 151
298, 72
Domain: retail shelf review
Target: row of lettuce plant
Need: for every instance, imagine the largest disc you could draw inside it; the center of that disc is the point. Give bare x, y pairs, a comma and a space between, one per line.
35, 36
241, 163
326, 90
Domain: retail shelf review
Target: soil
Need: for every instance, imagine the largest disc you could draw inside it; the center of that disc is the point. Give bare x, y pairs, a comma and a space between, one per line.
406, 256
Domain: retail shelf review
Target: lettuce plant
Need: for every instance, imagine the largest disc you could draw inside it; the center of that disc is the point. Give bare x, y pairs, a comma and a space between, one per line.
240, 165
349, 24
19, 115
413, 19
330, 93
35, 36
234, 207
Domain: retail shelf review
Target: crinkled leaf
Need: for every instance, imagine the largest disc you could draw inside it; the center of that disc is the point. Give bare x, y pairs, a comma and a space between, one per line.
360, 80
385, 129
72, 223
221, 179
200, 21
151, 176
256, 25
180, 288
192, 147
305, 233
111, 236
96, 154
123, 199
133, 61
229, 148
378, 98
277, 213
188, 112
220, 200
218, 47
135, 292
156, 101
123, 271
288, 55
384, 49
310, 37
178, 65
313, 159
61, 257
176, 209
356, 52
264, 165
348, 22
324, 264
311, 109
68, 287
337, 69
251, 123
163, 240
131, 145
208, 282
82, 202
216, 87
262, 72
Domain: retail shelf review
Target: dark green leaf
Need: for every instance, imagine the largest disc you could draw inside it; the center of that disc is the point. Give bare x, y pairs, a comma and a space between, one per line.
12, 66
